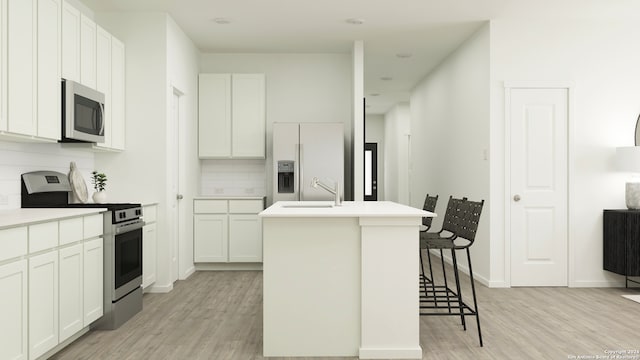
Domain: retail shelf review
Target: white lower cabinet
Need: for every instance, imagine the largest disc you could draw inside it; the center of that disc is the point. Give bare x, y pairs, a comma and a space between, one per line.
92, 282
71, 294
53, 287
210, 234
43, 303
245, 238
227, 231
149, 240
13, 311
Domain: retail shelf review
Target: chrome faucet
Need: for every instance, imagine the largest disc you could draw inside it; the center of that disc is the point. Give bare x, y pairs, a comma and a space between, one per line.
335, 191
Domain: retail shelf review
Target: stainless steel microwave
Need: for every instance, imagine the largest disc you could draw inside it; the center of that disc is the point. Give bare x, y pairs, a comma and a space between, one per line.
82, 113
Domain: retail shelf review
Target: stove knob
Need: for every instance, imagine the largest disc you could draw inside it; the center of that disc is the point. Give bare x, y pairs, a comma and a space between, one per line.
138, 212
121, 215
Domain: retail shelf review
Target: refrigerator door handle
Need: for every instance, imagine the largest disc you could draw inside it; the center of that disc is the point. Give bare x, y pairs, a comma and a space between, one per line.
301, 165
296, 169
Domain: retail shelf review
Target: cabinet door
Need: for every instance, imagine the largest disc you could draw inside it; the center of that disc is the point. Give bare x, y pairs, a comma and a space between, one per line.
71, 291
210, 238
93, 281
214, 116
3, 66
49, 69
87, 52
632, 245
13, 310
248, 114
103, 79
70, 42
21, 67
149, 238
43, 303
118, 115
245, 238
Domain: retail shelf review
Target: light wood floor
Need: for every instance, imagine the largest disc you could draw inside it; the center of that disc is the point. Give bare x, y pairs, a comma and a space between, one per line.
218, 315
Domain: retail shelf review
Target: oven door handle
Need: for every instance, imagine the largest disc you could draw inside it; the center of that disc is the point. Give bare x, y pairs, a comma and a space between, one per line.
129, 227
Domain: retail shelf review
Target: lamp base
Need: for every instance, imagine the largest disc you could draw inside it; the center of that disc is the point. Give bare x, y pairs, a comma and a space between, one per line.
632, 195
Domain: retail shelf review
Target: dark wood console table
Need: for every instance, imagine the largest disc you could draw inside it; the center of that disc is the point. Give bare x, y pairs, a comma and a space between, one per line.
621, 235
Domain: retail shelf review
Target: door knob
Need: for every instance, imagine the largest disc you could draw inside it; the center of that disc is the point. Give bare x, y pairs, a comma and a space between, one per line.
179, 197
516, 198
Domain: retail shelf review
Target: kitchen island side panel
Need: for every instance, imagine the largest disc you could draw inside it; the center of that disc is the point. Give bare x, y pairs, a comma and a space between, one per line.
311, 286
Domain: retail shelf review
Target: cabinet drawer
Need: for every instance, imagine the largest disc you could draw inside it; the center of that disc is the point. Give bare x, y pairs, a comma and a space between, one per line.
210, 206
93, 226
149, 214
245, 206
71, 230
13, 242
43, 236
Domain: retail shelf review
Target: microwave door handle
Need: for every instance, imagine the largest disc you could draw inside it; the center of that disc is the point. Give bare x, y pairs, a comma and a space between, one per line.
101, 119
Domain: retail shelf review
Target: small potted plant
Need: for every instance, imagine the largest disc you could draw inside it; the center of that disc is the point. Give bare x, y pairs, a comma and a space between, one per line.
99, 181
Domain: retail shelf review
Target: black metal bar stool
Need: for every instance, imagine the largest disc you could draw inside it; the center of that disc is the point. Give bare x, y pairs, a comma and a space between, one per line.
429, 205
463, 216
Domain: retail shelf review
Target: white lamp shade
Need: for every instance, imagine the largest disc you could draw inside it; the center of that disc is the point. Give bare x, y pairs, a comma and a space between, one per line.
628, 158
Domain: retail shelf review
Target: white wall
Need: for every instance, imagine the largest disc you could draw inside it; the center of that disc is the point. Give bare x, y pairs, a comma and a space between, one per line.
601, 57
449, 136
18, 158
397, 125
300, 88
374, 133
182, 73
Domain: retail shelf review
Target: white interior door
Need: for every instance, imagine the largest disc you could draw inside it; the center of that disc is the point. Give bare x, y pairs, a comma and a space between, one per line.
538, 182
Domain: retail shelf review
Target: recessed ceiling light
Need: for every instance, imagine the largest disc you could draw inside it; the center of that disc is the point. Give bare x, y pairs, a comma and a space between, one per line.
221, 21
355, 21
374, 94
386, 78
404, 55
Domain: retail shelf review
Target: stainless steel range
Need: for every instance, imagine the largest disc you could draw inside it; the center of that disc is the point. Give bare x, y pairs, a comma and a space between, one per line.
122, 244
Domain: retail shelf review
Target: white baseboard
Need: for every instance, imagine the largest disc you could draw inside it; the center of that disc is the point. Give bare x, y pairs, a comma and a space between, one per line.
229, 267
595, 284
159, 289
390, 353
188, 273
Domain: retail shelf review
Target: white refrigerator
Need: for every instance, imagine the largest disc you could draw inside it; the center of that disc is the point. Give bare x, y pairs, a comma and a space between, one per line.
302, 151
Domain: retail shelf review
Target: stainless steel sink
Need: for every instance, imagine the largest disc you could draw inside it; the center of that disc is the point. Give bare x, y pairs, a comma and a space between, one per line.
306, 206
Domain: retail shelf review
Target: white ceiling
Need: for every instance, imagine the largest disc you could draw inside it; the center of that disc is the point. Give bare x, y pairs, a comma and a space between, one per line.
428, 29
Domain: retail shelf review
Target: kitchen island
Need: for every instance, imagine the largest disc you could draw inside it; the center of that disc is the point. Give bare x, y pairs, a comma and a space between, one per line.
341, 280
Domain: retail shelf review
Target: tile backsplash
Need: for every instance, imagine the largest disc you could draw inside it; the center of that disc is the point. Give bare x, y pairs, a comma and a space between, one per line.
233, 178
18, 158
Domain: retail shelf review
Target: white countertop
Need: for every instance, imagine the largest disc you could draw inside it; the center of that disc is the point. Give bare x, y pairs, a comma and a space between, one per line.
348, 209
19, 217
228, 197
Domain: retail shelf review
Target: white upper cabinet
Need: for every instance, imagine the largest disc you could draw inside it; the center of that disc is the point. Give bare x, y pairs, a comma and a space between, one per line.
248, 114
111, 82
214, 113
231, 116
88, 30
49, 69
103, 83
21, 66
30, 105
117, 94
70, 42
